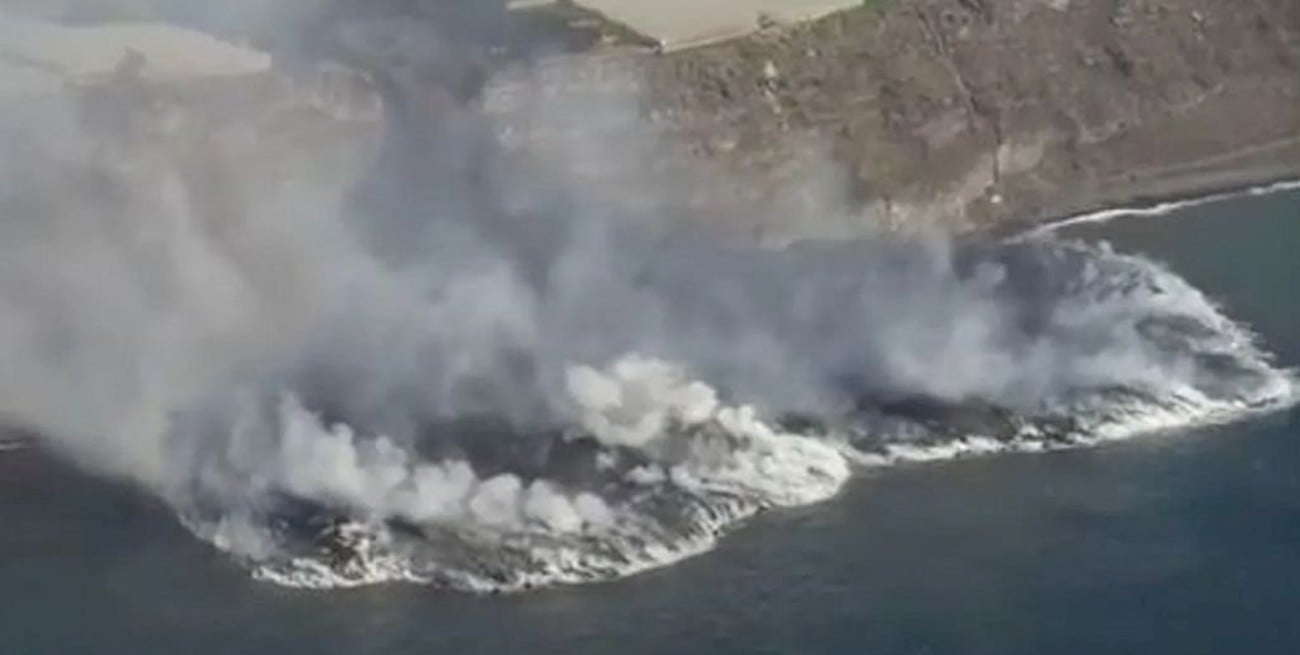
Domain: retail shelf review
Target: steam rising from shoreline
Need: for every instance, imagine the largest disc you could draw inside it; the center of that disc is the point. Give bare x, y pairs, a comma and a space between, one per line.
442, 367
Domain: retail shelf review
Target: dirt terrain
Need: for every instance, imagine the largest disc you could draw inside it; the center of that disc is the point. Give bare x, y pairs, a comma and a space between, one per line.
973, 112
965, 114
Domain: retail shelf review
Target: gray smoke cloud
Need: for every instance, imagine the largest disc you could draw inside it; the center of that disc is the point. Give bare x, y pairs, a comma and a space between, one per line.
227, 314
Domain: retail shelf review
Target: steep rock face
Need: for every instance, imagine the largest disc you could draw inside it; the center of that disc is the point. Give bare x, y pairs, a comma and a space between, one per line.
970, 113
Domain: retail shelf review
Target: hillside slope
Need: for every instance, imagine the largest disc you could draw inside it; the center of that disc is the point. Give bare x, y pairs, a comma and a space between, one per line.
977, 112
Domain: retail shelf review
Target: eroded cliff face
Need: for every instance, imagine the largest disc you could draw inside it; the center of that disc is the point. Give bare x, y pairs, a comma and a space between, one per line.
969, 113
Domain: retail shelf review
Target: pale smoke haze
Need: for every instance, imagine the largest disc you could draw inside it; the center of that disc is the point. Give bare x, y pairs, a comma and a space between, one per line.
437, 335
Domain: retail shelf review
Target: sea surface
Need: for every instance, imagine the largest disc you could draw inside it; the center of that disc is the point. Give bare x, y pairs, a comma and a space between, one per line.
1179, 542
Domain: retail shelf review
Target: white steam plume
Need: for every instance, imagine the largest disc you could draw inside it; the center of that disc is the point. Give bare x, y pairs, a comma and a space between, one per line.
442, 337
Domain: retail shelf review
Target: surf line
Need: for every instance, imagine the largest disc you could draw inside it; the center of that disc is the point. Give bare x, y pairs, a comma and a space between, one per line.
1162, 208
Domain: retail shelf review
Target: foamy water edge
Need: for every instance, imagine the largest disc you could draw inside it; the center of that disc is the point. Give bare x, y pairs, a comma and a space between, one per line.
1159, 209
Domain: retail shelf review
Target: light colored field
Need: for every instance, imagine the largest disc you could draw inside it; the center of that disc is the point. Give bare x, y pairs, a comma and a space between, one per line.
677, 24
34, 54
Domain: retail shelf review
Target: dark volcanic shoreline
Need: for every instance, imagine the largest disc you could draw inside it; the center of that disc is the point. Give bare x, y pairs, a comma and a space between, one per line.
1231, 175
1148, 203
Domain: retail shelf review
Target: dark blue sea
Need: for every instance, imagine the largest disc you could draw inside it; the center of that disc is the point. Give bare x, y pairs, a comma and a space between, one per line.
1175, 543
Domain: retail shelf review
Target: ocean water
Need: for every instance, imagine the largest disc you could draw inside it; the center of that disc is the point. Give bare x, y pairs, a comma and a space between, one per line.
1177, 542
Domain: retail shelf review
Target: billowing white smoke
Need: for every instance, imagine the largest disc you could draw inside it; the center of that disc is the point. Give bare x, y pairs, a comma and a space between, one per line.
287, 339
118, 305
681, 467
377, 477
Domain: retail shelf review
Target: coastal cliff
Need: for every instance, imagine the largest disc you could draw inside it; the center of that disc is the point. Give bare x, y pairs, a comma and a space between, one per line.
973, 113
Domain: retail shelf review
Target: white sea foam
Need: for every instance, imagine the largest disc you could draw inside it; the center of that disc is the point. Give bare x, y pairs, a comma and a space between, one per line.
712, 463
704, 466
1126, 347
1119, 423
1162, 208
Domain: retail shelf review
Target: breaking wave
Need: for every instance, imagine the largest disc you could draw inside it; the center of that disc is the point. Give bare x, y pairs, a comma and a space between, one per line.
654, 462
